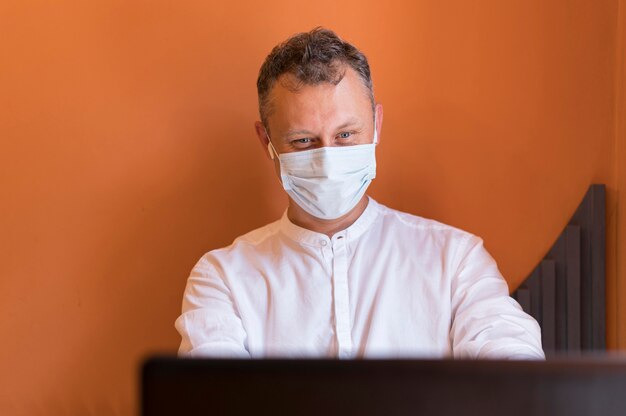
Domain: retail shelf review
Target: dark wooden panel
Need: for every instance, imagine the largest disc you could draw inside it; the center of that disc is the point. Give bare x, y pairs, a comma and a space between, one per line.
523, 298
598, 268
533, 284
572, 237
566, 291
582, 217
548, 292
557, 253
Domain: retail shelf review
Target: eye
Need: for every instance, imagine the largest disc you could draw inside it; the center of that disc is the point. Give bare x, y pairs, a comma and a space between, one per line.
302, 143
345, 135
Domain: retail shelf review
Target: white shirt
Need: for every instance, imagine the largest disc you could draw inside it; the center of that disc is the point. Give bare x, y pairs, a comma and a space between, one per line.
392, 285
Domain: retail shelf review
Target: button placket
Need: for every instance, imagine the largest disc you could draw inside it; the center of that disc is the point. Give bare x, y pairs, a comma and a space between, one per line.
341, 296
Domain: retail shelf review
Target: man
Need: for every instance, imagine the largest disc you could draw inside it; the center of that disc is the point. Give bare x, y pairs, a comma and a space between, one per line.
340, 275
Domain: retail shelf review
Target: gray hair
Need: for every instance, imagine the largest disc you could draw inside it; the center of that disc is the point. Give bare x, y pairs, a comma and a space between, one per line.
312, 58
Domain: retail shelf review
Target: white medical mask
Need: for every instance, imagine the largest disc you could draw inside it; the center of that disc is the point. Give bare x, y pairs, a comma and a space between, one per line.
328, 182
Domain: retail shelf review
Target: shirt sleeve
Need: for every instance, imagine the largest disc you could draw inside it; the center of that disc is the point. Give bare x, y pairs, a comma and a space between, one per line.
210, 325
486, 322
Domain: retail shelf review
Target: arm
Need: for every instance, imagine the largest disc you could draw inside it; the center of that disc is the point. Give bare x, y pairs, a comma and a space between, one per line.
486, 321
210, 325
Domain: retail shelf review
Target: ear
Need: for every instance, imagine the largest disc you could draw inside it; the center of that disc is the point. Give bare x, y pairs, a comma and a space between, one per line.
379, 120
264, 139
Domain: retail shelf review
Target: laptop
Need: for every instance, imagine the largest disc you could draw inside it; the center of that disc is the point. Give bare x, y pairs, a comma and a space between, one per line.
583, 386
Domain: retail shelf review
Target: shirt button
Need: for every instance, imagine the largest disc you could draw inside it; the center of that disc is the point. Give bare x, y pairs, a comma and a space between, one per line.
323, 243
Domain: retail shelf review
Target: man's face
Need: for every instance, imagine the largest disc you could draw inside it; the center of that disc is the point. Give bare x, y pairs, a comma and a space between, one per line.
319, 115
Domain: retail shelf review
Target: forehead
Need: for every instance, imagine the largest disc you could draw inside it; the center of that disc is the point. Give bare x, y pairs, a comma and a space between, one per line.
294, 103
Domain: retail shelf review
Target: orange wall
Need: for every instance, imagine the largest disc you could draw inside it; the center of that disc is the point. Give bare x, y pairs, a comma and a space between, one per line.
128, 150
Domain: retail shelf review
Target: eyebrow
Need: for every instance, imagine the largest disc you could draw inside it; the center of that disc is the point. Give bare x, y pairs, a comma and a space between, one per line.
295, 132
348, 123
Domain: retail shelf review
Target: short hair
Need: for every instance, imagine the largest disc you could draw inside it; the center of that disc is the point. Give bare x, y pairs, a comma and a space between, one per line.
312, 58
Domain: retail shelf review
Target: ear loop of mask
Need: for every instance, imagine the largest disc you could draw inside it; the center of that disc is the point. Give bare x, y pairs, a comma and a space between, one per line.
375, 130
270, 147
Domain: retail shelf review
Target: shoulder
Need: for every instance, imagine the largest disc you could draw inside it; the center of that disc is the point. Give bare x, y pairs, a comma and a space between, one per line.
244, 246
257, 236
398, 221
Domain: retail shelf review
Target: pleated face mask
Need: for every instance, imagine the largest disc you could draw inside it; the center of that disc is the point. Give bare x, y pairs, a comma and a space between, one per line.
328, 182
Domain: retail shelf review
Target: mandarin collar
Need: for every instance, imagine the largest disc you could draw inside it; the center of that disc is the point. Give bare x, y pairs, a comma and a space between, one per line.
354, 231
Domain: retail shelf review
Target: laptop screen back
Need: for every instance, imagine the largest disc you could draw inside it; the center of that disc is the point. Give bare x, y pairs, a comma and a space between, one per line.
383, 387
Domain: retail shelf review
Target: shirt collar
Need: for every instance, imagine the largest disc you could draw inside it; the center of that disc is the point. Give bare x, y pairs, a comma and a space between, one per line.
302, 235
